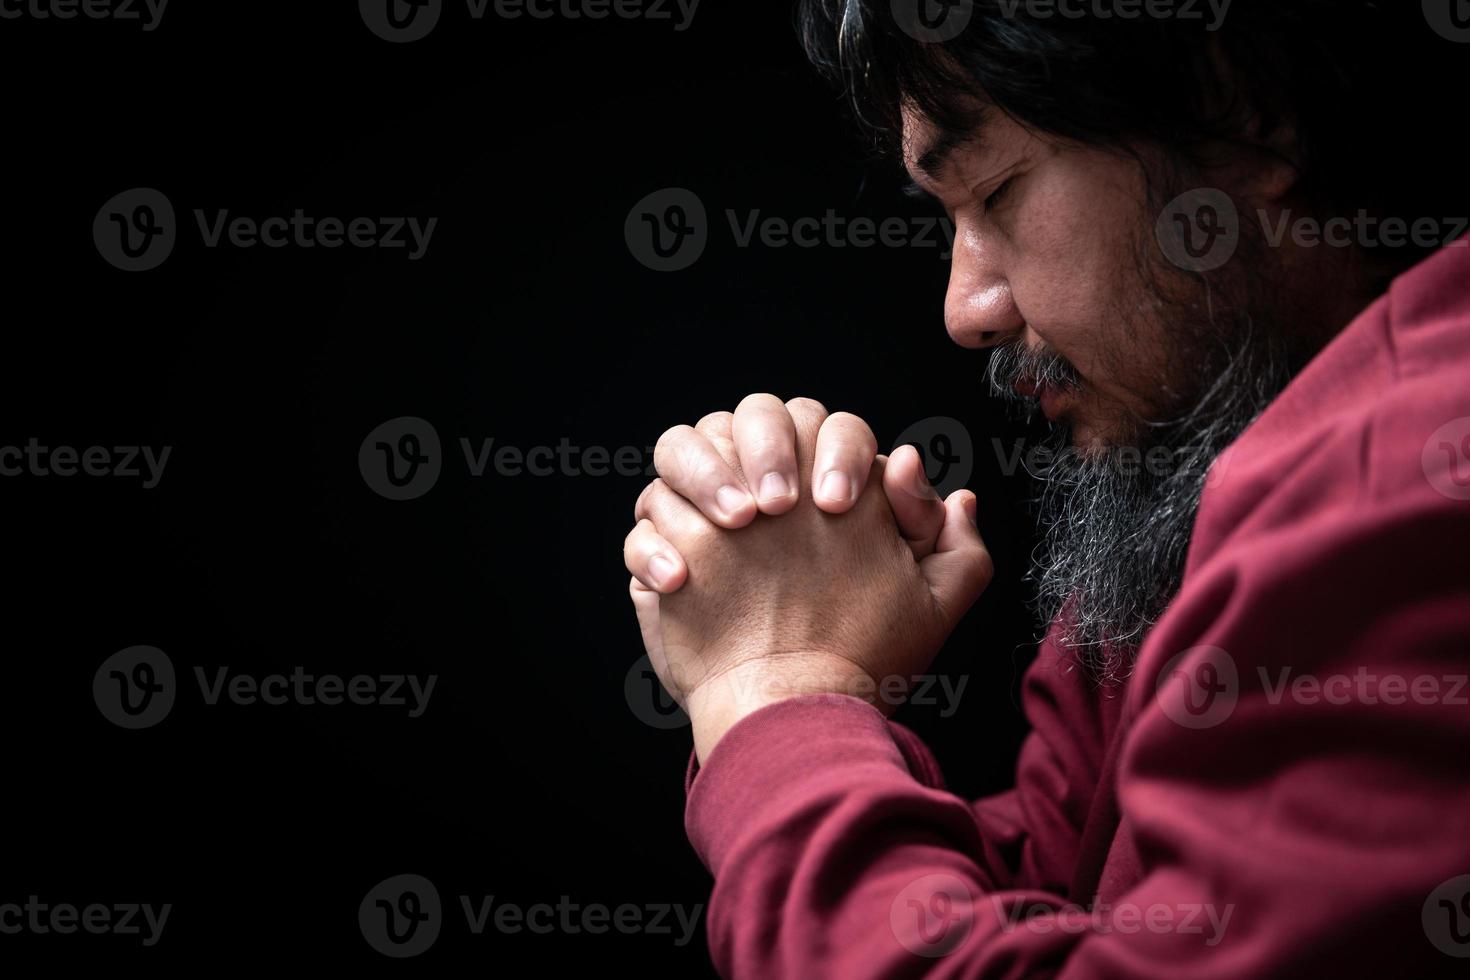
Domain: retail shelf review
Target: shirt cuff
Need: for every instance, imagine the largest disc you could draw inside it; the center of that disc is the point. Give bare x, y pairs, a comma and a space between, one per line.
782, 745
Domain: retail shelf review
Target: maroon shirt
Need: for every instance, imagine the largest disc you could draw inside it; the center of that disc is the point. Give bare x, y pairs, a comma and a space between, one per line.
1282, 788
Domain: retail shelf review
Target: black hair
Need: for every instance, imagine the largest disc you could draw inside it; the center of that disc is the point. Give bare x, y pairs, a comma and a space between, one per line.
1370, 88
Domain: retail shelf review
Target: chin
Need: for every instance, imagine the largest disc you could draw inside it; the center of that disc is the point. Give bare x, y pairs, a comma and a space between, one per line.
1094, 435
1087, 439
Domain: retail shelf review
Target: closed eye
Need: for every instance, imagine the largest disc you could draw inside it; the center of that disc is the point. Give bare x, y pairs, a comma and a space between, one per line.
914, 192
998, 196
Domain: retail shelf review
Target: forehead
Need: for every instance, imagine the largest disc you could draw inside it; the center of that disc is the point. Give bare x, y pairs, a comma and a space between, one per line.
929, 151
919, 133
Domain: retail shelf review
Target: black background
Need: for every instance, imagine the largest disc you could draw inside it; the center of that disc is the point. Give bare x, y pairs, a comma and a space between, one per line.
528, 321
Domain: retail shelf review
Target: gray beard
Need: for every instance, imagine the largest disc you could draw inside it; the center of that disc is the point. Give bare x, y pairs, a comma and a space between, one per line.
1116, 523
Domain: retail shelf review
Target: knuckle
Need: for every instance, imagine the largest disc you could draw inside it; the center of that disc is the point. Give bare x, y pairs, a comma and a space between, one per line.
672, 436
766, 446
678, 455
758, 400
806, 407
982, 566
648, 499
668, 445
640, 505
637, 539
704, 469
715, 422
852, 426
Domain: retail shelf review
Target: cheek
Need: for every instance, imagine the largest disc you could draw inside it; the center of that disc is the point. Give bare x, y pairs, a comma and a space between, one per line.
1061, 287
1075, 276
1079, 228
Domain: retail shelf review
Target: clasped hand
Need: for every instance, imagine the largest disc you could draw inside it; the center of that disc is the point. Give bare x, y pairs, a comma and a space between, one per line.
778, 554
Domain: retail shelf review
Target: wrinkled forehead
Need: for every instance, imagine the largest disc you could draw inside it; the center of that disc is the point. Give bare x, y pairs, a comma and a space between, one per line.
919, 131
929, 150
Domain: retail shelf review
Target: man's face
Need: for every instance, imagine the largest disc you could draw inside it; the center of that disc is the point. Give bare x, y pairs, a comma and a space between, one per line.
1055, 265
1046, 239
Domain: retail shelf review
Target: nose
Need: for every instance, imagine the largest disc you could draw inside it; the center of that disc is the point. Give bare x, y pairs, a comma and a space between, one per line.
979, 308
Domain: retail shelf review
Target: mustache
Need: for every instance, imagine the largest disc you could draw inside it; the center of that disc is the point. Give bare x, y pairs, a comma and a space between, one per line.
1013, 364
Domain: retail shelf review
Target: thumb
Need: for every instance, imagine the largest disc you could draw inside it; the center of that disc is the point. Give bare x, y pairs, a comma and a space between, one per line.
960, 567
917, 509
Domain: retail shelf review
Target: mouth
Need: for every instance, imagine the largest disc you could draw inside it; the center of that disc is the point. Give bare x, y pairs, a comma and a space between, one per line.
1055, 401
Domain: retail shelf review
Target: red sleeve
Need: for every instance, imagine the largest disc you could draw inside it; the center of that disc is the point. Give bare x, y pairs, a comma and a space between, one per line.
814, 784
1288, 837
1031, 833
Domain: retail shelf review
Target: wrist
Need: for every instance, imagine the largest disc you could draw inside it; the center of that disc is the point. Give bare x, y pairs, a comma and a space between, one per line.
723, 700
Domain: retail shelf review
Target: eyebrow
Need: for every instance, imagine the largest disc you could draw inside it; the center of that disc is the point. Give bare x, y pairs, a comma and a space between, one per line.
935, 160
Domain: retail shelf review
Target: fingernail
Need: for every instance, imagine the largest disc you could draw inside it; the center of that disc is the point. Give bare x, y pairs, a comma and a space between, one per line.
836, 486
774, 487
972, 507
661, 569
732, 500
